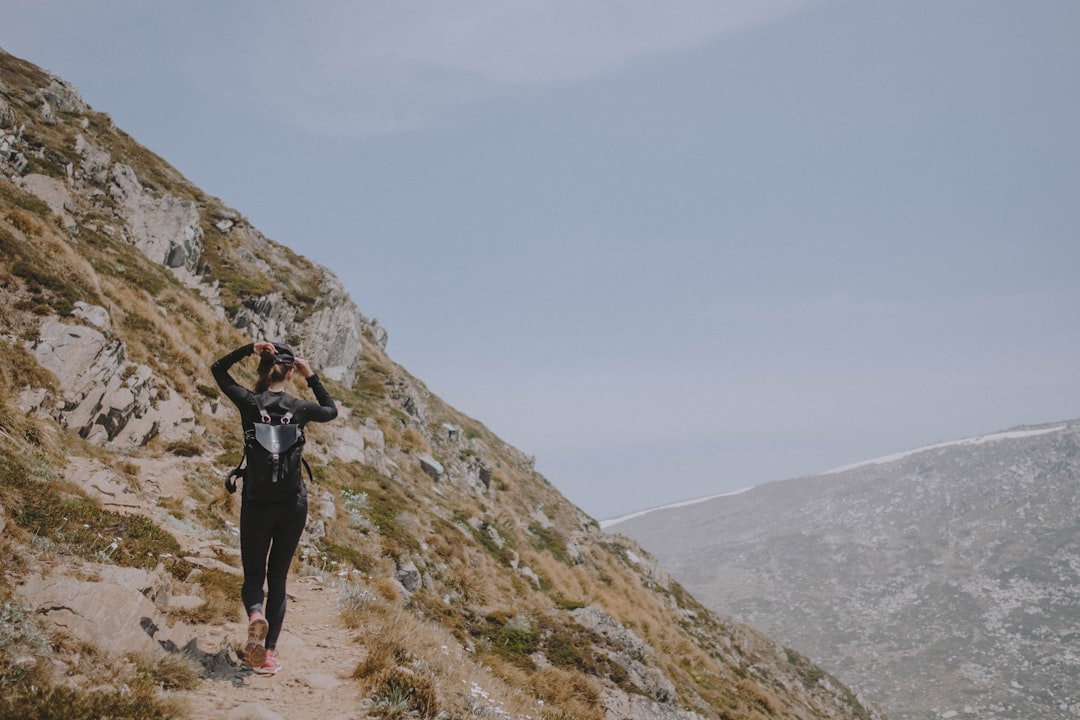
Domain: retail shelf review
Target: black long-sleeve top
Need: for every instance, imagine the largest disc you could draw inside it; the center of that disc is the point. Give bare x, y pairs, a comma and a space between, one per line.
304, 411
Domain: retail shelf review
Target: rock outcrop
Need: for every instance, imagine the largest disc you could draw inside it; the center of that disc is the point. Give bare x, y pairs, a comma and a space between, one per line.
104, 397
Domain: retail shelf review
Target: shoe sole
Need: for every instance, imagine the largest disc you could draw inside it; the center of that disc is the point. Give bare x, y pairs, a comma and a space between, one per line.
267, 671
254, 650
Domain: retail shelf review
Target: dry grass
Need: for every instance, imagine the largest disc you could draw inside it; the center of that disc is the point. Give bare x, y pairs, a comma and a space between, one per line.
170, 671
397, 641
220, 591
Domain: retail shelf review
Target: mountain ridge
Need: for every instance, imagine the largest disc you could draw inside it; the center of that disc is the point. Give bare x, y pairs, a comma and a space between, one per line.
943, 577
1014, 432
466, 584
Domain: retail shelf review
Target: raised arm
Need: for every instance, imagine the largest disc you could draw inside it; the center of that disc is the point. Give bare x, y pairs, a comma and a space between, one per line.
220, 369
326, 410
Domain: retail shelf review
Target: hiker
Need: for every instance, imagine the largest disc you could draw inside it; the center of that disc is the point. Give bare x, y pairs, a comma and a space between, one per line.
270, 524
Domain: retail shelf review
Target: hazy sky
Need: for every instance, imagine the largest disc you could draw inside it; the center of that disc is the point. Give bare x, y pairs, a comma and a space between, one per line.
670, 249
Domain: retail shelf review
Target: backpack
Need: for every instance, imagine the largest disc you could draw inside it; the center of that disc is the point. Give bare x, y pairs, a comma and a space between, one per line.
273, 449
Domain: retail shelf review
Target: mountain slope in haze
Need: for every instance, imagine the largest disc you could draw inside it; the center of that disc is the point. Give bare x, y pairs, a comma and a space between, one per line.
439, 575
941, 580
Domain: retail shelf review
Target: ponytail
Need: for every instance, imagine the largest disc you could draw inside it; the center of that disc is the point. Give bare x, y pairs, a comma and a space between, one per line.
270, 373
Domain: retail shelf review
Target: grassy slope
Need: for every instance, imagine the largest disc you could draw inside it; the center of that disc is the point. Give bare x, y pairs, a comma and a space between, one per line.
470, 539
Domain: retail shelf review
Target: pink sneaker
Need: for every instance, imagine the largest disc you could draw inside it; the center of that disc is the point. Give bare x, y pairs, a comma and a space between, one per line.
271, 665
254, 651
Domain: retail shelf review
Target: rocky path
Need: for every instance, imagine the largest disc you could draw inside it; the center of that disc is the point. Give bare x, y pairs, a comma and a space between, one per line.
318, 654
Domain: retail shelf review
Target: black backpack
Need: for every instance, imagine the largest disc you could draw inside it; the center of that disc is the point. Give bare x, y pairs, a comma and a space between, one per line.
273, 449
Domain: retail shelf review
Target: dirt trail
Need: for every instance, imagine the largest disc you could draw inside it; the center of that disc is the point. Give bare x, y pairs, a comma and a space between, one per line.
317, 652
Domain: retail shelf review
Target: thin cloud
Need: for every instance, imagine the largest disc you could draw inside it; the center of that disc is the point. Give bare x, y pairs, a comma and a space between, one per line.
346, 67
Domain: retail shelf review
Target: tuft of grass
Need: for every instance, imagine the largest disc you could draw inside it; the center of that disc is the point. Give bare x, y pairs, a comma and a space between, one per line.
346, 554
221, 593
184, 448
30, 700
402, 693
552, 541
170, 670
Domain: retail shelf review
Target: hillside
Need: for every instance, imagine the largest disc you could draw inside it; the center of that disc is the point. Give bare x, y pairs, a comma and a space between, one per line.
942, 580
439, 576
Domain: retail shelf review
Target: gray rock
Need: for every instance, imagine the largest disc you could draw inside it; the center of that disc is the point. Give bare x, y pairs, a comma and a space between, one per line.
597, 620
165, 228
431, 466
62, 96
95, 163
331, 335
7, 115
53, 192
155, 585
107, 399
409, 577
115, 618
636, 707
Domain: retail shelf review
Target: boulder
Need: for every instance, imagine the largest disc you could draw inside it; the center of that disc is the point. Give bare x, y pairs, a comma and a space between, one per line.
54, 194
60, 96
115, 618
409, 576
598, 621
430, 465
95, 163
620, 704
155, 585
7, 115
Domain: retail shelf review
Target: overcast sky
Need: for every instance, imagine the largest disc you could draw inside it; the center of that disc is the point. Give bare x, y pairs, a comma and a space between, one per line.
669, 249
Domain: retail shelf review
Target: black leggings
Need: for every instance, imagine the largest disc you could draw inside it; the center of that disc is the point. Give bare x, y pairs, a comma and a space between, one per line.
274, 529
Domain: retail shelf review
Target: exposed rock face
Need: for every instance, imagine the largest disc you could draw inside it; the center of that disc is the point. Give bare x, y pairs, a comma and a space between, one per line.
166, 229
266, 317
7, 115
59, 97
331, 336
104, 397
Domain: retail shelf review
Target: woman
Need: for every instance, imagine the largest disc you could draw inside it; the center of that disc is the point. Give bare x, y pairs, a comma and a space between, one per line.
270, 531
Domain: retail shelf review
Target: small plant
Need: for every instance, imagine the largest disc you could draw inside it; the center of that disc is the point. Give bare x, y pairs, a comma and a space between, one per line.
339, 554
400, 693
551, 540
171, 670
356, 502
184, 448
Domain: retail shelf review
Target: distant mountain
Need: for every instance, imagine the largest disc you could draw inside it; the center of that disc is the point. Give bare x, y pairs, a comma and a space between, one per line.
439, 576
941, 582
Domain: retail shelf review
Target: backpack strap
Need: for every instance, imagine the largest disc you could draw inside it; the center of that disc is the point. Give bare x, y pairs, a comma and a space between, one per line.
238, 472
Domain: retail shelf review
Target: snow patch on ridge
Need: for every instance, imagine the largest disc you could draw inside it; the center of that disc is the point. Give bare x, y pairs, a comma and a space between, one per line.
623, 518
993, 437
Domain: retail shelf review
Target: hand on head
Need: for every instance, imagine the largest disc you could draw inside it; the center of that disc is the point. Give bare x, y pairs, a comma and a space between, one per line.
304, 368
265, 347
